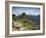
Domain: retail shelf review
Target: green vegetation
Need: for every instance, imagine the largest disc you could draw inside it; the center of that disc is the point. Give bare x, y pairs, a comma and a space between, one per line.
26, 21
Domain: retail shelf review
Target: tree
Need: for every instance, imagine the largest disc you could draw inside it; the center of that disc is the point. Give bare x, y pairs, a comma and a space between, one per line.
14, 17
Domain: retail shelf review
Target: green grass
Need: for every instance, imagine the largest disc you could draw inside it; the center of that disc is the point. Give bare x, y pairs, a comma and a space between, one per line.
24, 24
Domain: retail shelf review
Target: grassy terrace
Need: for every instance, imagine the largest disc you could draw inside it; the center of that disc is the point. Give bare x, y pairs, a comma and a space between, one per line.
25, 22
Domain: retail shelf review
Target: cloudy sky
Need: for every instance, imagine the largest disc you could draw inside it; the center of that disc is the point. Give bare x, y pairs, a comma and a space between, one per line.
28, 10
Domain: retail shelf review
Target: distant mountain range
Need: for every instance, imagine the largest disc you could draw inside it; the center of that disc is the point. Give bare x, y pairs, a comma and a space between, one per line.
33, 18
